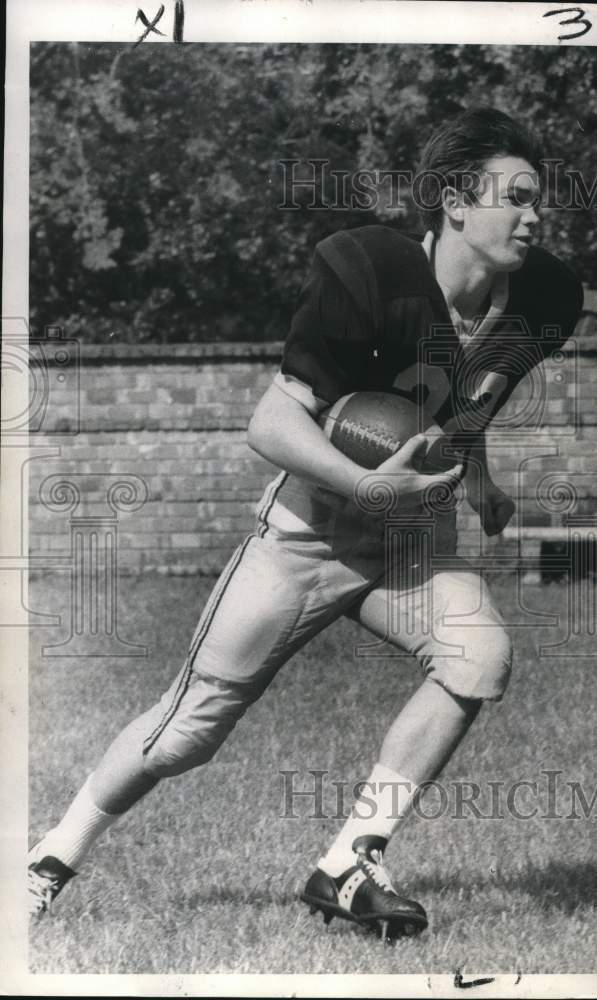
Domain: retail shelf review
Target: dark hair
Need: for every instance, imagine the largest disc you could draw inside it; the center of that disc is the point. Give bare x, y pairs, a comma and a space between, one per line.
460, 148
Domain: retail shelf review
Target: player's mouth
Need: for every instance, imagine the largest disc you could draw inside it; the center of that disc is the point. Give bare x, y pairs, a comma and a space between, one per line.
524, 240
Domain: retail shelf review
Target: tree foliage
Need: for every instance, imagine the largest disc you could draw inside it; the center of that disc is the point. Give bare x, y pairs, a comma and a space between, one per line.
156, 178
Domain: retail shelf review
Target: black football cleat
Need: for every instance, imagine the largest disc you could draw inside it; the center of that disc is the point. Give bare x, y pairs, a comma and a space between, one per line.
365, 895
45, 879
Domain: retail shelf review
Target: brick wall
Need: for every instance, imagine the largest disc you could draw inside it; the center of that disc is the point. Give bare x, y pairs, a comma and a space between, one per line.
171, 420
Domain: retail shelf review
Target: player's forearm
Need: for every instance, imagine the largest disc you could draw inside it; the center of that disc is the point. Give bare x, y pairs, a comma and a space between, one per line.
283, 432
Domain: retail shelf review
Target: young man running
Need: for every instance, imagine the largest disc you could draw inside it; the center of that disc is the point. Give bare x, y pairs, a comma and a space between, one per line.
372, 298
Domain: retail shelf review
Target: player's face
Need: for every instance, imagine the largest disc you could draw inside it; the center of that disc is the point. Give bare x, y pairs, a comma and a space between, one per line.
500, 223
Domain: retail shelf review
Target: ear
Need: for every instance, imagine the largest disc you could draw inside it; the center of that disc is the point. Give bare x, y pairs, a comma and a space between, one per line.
453, 203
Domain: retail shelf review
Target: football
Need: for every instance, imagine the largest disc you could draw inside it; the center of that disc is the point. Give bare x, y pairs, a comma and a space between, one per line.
368, 427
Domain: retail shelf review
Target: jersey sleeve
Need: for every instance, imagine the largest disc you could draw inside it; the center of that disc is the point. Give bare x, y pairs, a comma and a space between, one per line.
315, 369
558, 305
560, 296
302, 392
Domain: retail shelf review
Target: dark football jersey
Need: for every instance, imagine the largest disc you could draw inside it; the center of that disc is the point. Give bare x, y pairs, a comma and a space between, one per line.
371, 315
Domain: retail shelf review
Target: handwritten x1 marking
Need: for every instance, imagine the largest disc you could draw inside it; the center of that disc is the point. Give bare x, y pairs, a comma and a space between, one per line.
149, 25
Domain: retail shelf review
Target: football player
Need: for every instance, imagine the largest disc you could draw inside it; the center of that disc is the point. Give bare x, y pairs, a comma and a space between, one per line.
372, 301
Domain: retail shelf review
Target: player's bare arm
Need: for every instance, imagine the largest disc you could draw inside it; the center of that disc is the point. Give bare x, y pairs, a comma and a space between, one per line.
284, 432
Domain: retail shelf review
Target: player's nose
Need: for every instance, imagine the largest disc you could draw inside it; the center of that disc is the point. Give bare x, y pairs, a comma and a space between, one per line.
530, 216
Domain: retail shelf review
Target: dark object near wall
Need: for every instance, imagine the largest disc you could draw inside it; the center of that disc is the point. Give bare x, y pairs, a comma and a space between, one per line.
569, 560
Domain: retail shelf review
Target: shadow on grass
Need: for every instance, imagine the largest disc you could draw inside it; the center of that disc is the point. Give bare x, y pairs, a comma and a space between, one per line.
224, 894
556, 886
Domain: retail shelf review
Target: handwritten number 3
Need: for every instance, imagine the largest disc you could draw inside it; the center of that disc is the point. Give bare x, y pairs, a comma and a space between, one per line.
578, 19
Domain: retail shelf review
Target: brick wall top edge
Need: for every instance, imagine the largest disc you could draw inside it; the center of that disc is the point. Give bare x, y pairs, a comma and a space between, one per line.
178, 353
101, 354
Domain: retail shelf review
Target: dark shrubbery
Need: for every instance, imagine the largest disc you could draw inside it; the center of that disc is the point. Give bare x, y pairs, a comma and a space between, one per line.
155, 175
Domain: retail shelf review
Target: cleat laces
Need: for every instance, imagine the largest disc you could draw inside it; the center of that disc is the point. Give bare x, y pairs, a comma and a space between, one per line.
374, 868
42, 889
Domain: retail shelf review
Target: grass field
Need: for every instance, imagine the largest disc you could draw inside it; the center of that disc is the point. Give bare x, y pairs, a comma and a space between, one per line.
203, 875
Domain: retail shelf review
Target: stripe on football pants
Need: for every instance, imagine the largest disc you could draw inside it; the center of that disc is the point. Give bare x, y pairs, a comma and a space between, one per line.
198, 637
210, 609
267, 502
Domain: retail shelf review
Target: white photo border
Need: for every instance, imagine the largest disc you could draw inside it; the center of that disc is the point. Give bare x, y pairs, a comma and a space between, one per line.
364, 21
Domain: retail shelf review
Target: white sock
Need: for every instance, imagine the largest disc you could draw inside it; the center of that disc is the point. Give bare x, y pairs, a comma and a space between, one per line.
383, 803
80, 827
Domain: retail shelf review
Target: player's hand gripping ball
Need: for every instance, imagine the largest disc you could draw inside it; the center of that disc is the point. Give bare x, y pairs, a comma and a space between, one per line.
368, 427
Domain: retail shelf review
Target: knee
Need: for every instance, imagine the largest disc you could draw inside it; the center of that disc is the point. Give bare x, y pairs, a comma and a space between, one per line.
482, 671
172, 754
497, 656
198, 727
